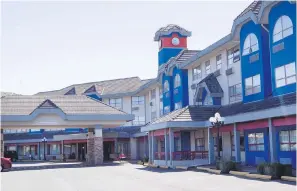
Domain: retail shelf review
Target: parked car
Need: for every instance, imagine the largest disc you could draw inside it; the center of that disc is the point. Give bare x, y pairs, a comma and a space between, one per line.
5, 163
13, 155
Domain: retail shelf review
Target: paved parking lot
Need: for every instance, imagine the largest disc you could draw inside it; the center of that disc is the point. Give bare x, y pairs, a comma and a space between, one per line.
128, 177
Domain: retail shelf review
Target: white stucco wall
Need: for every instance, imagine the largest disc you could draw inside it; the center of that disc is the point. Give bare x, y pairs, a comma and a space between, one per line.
226, 141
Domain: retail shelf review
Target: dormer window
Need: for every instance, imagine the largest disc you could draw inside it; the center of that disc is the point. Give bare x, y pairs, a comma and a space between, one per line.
250, 44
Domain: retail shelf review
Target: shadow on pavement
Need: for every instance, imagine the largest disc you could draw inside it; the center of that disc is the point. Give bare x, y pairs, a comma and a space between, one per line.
159, 170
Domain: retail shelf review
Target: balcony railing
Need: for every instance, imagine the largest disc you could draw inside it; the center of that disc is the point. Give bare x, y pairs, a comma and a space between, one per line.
182, 155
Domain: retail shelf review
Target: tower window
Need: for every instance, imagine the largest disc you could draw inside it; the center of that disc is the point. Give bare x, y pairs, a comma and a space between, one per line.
250, 44
282, 28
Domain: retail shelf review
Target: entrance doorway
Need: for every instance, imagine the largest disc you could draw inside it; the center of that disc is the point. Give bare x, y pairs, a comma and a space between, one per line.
107, 150
82, 150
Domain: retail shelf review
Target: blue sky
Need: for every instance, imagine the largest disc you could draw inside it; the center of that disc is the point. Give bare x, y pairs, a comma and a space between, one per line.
50, 45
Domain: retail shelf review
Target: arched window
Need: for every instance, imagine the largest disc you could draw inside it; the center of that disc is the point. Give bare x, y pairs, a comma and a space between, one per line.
282, 28
250, 44
166, 86
177, 81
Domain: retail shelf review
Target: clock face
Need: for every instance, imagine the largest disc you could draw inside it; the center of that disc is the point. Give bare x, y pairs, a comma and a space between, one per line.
175, 41
160, 43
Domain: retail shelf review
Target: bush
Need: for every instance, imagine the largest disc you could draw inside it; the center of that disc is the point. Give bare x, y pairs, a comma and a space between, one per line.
225, 166
276, 170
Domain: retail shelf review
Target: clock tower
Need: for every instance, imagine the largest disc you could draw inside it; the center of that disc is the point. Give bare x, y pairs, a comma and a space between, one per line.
172, 39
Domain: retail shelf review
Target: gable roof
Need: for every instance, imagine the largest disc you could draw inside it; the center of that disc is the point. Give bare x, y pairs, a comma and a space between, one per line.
107, 87
79, 104
255, 7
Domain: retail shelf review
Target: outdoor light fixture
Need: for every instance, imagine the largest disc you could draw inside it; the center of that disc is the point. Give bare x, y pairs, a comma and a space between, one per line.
217, 121
44, 141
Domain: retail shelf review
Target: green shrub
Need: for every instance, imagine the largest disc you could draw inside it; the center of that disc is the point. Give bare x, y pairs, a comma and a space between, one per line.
287, 170
225, 166
276, 170
145, 160
260, 168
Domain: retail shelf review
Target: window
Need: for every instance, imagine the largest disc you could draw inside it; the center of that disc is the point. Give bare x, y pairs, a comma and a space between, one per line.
153, 115
138, 120
177, 105
208, 100
161, 108
166, 109
250, 44
166, 86
197, 74
219, 61
176, 144
199, 140
207, 67
256, 141
153, 94
233, 56
160, 93
137, 100
162, 144
177, 81
117, 103
285, 75
282, 28
252, 85
235, 93
287, 140
241, 142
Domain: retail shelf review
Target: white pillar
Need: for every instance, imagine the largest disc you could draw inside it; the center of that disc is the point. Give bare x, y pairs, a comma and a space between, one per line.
210, 147
165, 142
171, 147
149, 146
153, 147
272, 143
76, 155
133, 147
236, 140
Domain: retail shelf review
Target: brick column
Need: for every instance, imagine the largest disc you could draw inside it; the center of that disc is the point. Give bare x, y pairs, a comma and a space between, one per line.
95, 146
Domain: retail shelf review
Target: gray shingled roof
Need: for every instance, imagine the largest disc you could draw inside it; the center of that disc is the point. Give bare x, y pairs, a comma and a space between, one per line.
203, 113
124, 85
185, 55
255, 7
171, 28
212, 84
25, 105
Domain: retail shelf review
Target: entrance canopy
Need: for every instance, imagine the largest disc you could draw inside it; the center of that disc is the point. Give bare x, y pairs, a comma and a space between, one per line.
42, 112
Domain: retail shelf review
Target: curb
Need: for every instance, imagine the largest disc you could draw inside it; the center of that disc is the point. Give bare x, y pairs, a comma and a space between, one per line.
259, 176
182, 167
214, 171
164, 167
153, 166
238, 173
289, 178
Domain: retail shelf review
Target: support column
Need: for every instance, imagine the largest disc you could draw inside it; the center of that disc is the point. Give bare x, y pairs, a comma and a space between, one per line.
210, 147
38, 150
153, 147
145, 146
171, 147
62, 150
149, 146
76, 151
272, 141
133, 147
236, 140
165, 142
95, 146
2, 144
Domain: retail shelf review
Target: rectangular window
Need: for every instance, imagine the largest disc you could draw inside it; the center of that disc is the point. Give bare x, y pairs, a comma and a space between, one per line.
162, 144
219, 61
256, 141
161, 108
207, 67
285, 75
176, 144
137, 100
235, 93
252, 85
153, 115
233, 56
199, 140
287, 140
138, 120
166, 109
177, 105
153, 94
117, 103
197, 74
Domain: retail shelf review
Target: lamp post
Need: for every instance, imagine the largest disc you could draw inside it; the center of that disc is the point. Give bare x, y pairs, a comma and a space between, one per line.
217, 121
44, 141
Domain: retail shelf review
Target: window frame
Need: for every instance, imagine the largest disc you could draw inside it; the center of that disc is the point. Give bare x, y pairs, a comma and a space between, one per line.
289, 143
252, 87
166, 87
138, 101
282, 29
256, 145
178, 104
219, 61
177, 81
285, 78
207, 67
236, 95
197, 73
113, 102
249, 50
137, 120
234, 55
201, 139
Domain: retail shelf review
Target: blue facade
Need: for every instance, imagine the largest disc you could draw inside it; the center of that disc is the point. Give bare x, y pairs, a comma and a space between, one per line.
286, 157
257, 66
166, 53
257, 157
288, 54
180, 94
